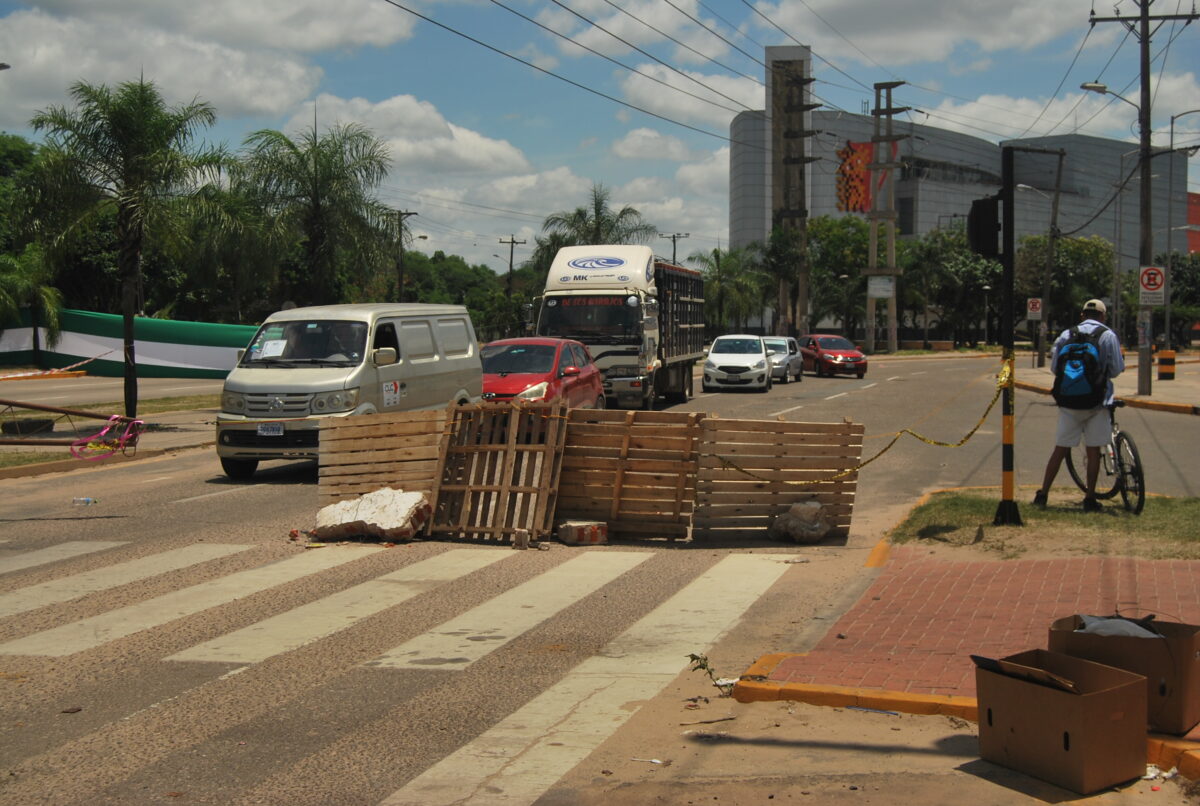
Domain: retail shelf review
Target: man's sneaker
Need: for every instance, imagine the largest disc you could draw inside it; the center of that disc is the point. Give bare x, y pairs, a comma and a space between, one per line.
1039, 498
1092, 505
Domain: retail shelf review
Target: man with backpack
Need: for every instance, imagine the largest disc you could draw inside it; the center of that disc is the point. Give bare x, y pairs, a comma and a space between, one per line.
1084, 360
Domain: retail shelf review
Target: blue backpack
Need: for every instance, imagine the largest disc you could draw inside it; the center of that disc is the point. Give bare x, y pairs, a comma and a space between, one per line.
1080, 380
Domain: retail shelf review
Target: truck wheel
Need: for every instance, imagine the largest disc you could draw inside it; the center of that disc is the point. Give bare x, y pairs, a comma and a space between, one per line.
239, 469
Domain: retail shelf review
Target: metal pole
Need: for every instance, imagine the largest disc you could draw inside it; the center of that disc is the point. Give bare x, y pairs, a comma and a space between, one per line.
1007, 513
1051, 243
1146, 239
1170, 207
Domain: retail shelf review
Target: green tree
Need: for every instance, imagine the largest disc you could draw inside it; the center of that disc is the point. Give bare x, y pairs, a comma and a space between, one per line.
837, 249
734, 287
123, 150
317, 191
1081, 269
26, 282
598, 223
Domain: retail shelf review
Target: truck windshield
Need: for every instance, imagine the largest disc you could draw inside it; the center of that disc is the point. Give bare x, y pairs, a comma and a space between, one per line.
594, 319
325, 343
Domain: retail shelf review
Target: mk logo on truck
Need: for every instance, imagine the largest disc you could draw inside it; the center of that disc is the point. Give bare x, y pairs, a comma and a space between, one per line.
591, 263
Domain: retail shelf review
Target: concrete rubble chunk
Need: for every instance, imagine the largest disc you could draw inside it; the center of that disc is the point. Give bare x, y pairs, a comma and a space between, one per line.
806, 522
385, 514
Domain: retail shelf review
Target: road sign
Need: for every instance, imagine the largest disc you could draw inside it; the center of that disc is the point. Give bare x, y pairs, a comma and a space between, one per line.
881, 287
1151, 285
1033, 309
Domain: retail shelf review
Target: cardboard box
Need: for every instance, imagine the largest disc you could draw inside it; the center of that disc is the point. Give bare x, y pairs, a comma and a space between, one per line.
583, 533
1085, 741
1171, 666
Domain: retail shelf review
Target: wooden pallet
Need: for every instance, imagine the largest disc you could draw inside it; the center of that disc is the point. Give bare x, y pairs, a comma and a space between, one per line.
499, 470
752, 470
367, 452
634, 470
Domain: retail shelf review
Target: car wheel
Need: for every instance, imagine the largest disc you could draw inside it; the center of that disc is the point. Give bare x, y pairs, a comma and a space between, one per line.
239, 469
800, 374
861, 373
784, 378
599, 403
766, 387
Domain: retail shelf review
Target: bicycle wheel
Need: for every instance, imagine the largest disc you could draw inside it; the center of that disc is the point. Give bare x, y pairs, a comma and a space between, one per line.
1108, 480
1133, 482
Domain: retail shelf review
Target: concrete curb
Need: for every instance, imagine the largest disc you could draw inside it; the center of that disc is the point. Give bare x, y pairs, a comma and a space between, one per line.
1166, 752
65, 465
1134, 402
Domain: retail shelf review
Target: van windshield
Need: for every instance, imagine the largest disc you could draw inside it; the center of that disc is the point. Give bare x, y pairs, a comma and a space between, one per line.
324, 342
592, 319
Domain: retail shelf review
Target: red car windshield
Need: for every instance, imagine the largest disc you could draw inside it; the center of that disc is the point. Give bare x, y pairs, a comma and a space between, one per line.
836, 343
505, 359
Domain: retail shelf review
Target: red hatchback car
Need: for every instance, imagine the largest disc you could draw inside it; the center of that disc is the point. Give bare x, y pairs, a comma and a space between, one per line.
537, 368
827, 354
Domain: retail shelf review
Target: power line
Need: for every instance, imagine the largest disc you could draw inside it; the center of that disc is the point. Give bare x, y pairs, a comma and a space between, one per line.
633, 70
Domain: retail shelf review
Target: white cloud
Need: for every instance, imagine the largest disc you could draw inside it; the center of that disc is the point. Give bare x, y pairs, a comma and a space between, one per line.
709, 177
419, 138
712, 100
647, 144
48, 54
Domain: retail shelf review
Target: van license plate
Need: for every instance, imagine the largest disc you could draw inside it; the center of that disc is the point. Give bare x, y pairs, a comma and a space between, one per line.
270, 429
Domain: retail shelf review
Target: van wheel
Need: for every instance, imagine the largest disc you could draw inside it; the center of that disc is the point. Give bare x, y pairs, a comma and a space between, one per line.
239, 469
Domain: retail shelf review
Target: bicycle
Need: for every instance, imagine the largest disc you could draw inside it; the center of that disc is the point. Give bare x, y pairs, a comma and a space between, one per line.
1120, 467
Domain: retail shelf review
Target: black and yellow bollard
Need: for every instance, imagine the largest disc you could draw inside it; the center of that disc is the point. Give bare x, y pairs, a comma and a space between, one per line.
1166, 365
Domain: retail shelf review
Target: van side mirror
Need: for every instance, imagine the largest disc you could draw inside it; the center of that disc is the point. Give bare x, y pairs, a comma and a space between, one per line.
384, 356
240, 354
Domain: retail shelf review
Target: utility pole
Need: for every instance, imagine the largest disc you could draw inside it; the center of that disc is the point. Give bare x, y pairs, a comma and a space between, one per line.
1051, 243
512, 244
1139, 26
400, 216
789, 106
882, 159
674, 238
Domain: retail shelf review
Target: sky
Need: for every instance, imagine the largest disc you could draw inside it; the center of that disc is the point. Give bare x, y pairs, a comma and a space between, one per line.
498, 113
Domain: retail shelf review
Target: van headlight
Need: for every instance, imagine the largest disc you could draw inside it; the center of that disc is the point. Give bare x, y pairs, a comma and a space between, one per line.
330, 402
760, 365
234, 402
535, 392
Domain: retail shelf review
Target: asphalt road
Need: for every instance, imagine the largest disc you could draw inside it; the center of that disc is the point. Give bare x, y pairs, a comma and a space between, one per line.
171, 644
72, 392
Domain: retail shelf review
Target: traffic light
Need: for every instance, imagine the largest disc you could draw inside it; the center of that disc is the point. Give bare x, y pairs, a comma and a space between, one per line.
983, 226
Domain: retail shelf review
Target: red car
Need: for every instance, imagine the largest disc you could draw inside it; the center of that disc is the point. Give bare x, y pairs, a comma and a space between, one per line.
539, 368
826, 354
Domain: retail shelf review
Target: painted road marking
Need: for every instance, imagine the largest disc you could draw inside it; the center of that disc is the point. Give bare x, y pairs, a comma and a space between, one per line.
92, 632
219, 492
322, 618
869, 385
72, 587
459, 642
839, 394
895, 378
520, 758
785, 411
156, 478
63, 551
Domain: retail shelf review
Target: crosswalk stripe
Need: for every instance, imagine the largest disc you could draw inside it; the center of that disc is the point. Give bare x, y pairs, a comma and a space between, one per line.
521, 757
63, 551
92, 632
457, 643
72, 587
319, 619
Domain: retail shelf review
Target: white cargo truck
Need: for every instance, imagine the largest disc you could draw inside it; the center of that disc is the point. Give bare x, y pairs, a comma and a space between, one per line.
641, 318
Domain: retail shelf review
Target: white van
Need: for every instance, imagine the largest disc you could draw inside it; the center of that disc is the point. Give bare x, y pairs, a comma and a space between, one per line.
333, 360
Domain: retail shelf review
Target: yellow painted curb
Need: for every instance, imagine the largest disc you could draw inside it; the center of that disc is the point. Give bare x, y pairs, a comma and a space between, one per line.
1135, 402
879, 555
44, 375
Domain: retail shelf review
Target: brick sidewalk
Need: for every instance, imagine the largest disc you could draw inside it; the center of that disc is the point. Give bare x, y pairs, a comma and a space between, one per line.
915, 628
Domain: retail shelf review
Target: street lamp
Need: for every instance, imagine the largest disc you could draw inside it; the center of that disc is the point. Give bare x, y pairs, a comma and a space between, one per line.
846, 301
1146, 243
4, 66
986, 289
1170, 251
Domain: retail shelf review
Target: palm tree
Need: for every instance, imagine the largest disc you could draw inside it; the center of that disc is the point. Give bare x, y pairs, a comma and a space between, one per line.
318, 188
123, 149
598, 223
735, 286
25, 282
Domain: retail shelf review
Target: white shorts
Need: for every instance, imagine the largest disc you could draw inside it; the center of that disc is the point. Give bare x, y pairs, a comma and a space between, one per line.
1091, 424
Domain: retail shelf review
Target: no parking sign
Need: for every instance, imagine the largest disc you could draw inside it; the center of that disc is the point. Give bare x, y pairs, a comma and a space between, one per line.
1033, 309
1152, 282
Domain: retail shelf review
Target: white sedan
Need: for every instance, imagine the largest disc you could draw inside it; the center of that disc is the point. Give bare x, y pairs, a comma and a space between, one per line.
737, 361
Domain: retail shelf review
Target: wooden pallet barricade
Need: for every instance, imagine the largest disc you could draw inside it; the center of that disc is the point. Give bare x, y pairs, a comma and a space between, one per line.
750, 471
499, 470
634, 470
366, 452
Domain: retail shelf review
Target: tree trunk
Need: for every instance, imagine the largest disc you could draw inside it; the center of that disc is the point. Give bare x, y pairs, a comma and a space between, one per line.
130, 262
